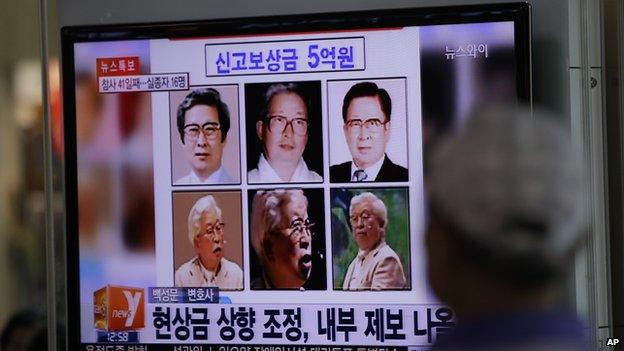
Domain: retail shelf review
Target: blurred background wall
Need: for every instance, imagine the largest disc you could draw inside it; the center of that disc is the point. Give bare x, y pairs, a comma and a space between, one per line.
22, 205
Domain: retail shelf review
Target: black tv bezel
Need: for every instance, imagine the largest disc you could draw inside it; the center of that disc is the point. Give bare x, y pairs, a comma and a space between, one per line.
519, 13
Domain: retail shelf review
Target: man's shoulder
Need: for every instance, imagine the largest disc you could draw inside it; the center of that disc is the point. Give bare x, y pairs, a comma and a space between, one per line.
391, 172
188, 265
222, 177
187, 272
225, 178
304, 174
352, 263
253, 176
386, 252
230, 276
187, 179
258, 284
231, 267
314, 177
341, 167
387, 270
340, 173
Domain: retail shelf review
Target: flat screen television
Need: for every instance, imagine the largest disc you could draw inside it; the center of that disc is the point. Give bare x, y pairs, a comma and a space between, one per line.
257, 183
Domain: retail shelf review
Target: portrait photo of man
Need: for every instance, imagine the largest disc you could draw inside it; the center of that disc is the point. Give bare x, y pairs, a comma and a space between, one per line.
287, 236
211, 238
372, 125
205, 147
284, 133
369, 261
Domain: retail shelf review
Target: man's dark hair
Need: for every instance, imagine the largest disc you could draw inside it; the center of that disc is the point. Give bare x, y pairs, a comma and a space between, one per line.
282, 88
208, 97
365, 89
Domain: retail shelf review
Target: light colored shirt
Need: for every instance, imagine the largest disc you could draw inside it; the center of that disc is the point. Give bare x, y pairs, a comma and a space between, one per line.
219, 176
264, 173
228, 275
371, 172
377, 269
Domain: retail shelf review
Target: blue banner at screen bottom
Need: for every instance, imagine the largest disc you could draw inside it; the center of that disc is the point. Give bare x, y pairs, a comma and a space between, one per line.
183, 295
120, 337
247, 347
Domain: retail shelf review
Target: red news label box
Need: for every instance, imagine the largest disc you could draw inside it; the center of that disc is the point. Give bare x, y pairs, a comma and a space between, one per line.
118, 308
118, 66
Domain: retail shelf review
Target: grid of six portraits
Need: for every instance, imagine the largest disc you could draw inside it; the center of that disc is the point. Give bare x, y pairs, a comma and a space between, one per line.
287, 184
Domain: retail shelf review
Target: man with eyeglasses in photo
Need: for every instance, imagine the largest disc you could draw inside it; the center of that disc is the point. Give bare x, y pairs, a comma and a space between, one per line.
376, 266
208, 267
283, 131
366, 112
203, 121
281, 235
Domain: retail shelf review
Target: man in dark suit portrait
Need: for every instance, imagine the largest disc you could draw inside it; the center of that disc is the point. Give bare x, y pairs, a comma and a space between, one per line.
366, 111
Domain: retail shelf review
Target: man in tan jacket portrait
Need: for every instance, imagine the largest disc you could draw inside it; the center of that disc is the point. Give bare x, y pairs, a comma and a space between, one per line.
376, 266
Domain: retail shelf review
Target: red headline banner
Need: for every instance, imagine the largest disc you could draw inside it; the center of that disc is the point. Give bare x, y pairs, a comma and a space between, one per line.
118, 66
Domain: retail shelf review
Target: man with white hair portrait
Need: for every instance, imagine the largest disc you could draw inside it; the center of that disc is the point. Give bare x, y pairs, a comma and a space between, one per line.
376, 266
282, 236
206, 232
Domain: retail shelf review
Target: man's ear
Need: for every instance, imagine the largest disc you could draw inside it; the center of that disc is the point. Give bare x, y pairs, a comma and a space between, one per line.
196, 242
387, 128
260, 129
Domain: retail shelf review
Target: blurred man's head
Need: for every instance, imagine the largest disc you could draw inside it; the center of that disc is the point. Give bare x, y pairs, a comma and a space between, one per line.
281, 235
366, 112
506, 211
203, 122
369, 218
205, 231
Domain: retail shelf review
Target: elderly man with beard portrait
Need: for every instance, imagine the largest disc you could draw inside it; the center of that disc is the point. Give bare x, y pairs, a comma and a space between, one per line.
206, 232
376, 266
281, 235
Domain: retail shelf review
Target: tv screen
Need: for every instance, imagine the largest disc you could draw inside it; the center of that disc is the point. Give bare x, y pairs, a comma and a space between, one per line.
257, 183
